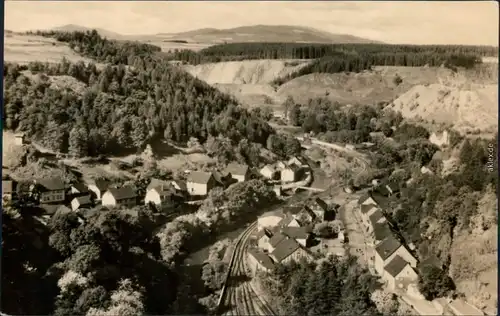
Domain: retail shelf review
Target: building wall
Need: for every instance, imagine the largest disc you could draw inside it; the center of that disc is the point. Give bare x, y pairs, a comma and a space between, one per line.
302, 242
240, 178
288, 175
294, 223
52, 196
108, 199
255, 265
263, 243
96, 190
153, 197
296, 256
75, 205
197, 188
267, 173
369, 201
19, 140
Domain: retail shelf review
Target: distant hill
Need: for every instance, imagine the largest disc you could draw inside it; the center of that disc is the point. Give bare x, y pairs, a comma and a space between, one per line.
265, 33
79, 28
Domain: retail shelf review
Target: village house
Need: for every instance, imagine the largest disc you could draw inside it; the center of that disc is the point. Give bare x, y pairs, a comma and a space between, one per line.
290, 173
303, 215
320, 209
81, 202
380, 232
179, 185
269, 172
366, 211
79, 189
300, 234
124, 196
259, 261
263, 237
288, 250
274, 241
9, 189
19, 139
288, 221
387, 250
269, 220
159, 193
376, 217
199, 183
238, 172
366, 200
98, 187
51, 190
398, 273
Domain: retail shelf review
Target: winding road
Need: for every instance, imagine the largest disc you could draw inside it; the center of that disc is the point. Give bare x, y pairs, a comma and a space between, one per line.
239, 297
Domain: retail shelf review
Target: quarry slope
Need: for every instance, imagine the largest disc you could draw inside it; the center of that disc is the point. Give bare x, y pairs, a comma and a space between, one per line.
467, 109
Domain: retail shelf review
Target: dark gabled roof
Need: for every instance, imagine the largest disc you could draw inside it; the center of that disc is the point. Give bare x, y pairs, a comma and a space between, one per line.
262, 258
382, 189
364, 197
395, 266
387, 247
199, 177
308, 211
285, 249
381, 231
9, 186
125, 192
376, 216
51, 184
296, 232
50, 209
237, 169
276, 239
84, 200
293, 167
81, 187
366, 207
181, 184
101, 184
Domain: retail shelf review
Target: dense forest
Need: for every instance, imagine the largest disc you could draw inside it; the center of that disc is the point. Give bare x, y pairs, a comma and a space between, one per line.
120, 107
109, 264
333, 287
337, 58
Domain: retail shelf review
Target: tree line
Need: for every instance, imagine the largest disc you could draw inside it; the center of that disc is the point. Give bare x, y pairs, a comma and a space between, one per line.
403, 55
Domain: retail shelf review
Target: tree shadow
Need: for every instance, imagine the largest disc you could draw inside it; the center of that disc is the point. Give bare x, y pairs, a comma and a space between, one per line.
239, 279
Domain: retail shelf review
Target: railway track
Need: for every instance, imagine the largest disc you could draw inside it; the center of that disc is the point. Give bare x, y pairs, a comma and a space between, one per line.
239, 297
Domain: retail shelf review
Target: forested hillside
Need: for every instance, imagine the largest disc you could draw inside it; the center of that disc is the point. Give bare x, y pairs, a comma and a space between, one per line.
123, 105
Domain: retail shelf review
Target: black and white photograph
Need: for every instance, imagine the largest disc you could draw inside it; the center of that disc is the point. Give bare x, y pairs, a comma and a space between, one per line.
250, 158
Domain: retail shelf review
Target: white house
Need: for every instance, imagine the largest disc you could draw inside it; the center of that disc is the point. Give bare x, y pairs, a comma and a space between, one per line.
159, 193
81, 202
302, 235
124, 196
200, 183
398, 272
98, 187
238, 172
298, 161
269, 172
387, 250
288, 250
289, 173
259, 261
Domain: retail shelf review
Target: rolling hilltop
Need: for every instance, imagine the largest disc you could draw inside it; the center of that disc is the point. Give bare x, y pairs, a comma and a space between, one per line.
243, 34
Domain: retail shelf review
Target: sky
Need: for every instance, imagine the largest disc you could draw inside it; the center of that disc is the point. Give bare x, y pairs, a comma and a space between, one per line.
419, 22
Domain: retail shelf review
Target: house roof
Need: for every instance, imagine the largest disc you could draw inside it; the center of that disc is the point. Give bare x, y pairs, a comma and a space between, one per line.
261, 258
83, 200
50, 208
237, 169
125, 192
285, 249
364, 198
319, 202
387, 247
376, 216
298, 159
276, 239
381, 231
199, 177
51, 184
8, 186
292, 167
285, 221
365, 208
395, 266
181, 184
80, 186
293, 210
296, 232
